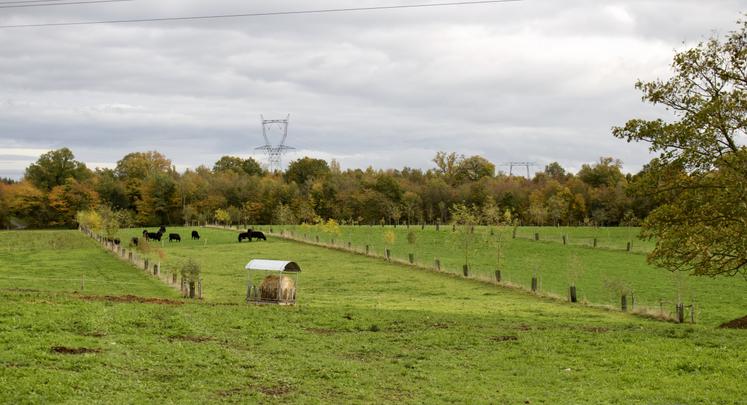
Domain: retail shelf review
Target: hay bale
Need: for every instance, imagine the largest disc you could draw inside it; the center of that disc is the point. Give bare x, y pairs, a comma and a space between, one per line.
273, 287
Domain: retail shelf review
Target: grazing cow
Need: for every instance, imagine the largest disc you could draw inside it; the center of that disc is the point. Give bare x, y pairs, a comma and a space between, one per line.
258, 235
150, 235
162, 229
134, 241
245, 235
174, 237
195, 235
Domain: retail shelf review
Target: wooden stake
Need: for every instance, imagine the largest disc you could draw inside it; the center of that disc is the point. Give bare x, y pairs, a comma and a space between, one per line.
573, 293
465, 270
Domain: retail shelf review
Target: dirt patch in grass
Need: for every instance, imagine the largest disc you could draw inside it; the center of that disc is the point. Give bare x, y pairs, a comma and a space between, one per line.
231, 392
73, 350
740, 323
504, 338
196, 339
276, 391
130, 298
321, 331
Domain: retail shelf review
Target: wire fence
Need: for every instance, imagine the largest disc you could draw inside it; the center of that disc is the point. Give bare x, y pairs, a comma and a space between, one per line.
628, 301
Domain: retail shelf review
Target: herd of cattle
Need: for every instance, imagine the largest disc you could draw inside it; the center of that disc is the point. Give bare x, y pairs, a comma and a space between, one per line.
175, 237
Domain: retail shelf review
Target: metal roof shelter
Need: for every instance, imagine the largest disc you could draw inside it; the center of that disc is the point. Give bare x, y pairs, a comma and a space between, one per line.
272, 281
272, 265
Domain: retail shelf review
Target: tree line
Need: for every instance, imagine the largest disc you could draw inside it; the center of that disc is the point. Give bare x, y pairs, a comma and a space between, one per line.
144, 189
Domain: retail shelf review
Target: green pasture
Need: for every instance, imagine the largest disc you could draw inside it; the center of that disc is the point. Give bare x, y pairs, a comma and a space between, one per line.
66, 261
363, 331
597, 273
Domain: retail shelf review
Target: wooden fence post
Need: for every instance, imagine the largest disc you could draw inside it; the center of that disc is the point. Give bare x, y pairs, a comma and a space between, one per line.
595, 243
368, 248
680, 309
388, 254
497, 276
534, 284
565, 241
573, 293
630, 246
624, 303
465, 270
437, 265
199, 288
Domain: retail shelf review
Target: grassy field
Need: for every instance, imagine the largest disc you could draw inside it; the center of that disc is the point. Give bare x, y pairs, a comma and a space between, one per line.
363, 331
599, 274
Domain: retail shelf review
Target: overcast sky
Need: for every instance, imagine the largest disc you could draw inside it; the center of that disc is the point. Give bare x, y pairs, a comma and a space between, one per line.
535, 80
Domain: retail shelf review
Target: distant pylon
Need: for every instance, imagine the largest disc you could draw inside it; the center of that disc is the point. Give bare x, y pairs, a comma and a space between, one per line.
511, 166
274, 151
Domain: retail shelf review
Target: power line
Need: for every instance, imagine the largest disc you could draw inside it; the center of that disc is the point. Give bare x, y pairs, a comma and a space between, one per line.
265, 14
29, 1
60, 4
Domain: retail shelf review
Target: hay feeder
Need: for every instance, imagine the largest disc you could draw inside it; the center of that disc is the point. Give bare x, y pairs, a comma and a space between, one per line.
272, 282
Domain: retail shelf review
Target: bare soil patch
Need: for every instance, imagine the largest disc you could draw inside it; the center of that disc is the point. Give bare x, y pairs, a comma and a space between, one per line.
196, 339
321, 331
276, 391
73, 350
740, 323
130, 298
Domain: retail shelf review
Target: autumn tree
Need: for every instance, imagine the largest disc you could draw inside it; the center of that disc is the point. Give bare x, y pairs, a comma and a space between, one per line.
700, 176
237, 164
54, 168
306, 168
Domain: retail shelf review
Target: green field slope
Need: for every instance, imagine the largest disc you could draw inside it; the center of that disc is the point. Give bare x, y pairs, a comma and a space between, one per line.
363, 331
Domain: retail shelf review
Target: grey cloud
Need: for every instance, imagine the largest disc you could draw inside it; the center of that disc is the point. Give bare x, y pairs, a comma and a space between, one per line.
536, 80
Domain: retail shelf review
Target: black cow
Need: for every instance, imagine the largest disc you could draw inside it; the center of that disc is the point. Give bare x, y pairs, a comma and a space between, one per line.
150, 235
162, 229
195, 235
134, 241
258, 235
113, 240
245, 235
174, 237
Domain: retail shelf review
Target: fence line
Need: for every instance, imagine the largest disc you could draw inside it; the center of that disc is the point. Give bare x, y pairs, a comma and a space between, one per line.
143, 263
466, 272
